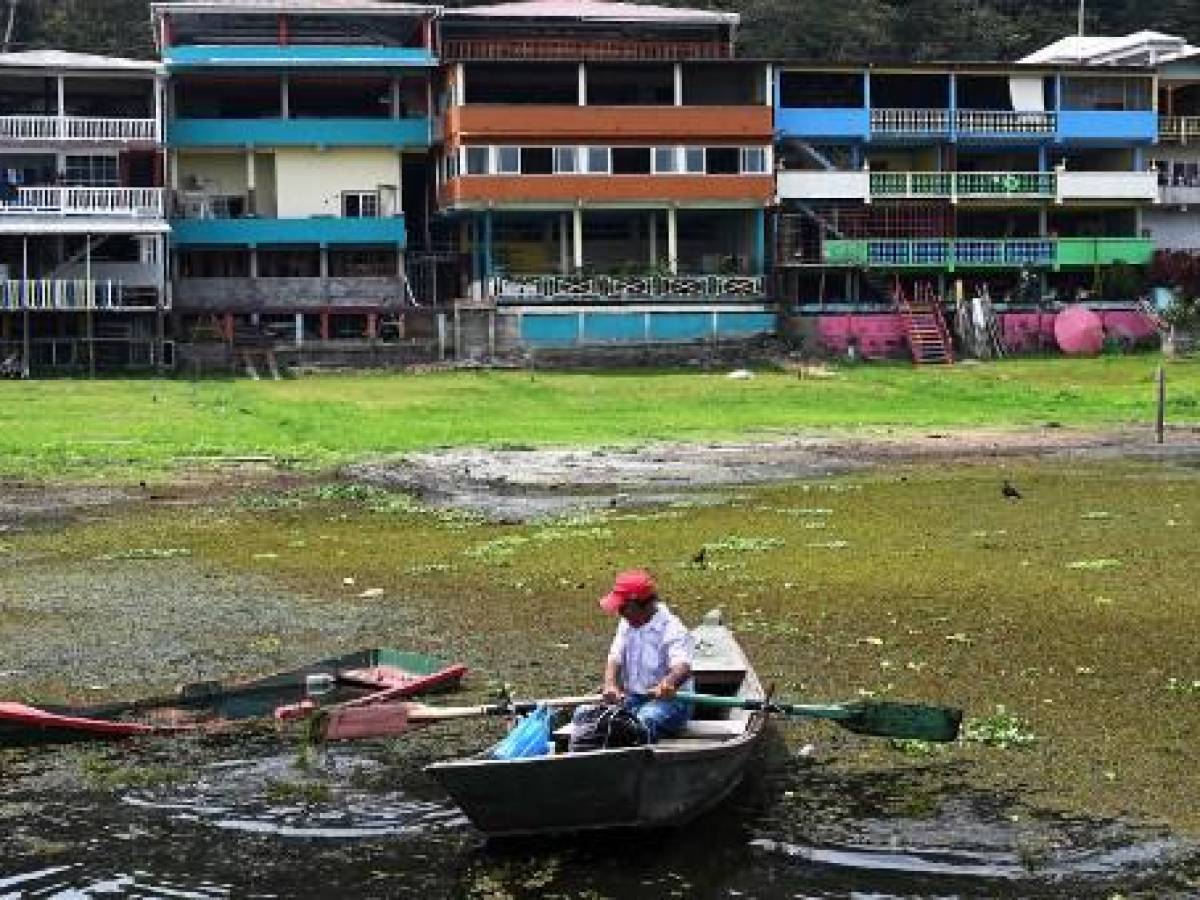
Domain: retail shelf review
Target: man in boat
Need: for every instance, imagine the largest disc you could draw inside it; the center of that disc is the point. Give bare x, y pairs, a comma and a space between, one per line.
650, 659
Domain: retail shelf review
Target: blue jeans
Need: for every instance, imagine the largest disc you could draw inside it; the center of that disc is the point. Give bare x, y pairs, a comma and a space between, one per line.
662, 718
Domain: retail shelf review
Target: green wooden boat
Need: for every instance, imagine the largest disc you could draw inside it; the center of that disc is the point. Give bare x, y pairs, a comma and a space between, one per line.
664, 784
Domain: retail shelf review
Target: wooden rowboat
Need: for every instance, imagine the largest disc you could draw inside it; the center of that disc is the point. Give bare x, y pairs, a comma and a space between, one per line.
664, 784
212, 705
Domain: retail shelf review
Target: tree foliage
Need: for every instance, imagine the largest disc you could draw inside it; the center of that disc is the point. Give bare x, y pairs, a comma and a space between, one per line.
885, 30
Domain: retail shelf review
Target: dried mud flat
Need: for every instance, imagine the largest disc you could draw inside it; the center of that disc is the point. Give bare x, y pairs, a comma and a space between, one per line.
516, 485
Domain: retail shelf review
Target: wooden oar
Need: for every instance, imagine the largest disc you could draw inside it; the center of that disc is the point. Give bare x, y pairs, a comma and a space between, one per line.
880, 718
356, 721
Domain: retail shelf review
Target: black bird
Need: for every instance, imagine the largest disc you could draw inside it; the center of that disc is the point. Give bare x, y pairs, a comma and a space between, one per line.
699, 557
1010, 492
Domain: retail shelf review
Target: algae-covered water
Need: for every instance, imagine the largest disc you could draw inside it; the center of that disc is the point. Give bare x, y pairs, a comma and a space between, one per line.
1063, 623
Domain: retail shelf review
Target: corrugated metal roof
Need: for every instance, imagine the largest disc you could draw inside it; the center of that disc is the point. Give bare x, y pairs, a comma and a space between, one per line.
293, 6
596, 11
61, 59
1099, 50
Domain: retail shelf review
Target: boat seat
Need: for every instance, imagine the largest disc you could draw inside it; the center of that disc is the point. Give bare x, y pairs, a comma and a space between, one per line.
696, 729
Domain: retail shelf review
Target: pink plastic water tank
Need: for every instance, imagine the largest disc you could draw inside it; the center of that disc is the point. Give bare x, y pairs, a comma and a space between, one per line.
1078, 330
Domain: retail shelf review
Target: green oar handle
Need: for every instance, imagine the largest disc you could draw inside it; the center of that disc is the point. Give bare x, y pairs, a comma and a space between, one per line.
880, 718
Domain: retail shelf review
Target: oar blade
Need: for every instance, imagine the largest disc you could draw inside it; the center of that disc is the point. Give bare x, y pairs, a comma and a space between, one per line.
903, 721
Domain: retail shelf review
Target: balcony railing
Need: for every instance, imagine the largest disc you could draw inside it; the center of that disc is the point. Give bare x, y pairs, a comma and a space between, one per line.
78, 129
141, 203
964, 121
977, 121
1179, 128
910, 121
624, 287
53, 294
942, 252
963, 184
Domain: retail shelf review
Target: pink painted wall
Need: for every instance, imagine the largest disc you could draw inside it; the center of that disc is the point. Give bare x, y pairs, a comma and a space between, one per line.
881, 335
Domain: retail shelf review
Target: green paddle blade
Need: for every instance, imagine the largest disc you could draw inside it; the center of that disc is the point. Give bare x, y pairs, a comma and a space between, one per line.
884, 718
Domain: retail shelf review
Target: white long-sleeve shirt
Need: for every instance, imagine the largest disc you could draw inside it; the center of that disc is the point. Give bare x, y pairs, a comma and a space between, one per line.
646, 654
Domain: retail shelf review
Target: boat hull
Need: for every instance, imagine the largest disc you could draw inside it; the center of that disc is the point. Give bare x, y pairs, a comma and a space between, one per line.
637, 787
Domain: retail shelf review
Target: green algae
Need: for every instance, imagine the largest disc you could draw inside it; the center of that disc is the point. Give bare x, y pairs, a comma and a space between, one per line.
913, 605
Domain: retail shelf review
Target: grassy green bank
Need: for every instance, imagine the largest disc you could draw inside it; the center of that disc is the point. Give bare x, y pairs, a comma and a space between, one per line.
1074, 609
115, 428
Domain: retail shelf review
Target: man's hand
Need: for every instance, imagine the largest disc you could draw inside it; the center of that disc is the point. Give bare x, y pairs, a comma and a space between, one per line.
665, 689
611, 693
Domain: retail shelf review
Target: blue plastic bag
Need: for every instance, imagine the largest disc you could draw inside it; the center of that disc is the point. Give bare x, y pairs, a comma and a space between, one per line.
529, 737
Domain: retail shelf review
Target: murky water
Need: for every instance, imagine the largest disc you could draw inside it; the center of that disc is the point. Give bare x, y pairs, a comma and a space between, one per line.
347, 824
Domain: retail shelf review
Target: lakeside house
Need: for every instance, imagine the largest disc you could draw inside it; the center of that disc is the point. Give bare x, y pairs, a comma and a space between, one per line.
369, 182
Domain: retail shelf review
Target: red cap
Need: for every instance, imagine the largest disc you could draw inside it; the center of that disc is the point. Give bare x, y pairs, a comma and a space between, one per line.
636, 584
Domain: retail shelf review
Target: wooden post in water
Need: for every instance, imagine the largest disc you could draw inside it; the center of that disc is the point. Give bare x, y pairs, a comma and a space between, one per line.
1161, 413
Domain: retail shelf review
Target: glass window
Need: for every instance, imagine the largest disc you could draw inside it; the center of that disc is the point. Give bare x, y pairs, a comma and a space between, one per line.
754, 160
508, 160
477, 160
693, 160
90, 171
566, 160
360, 205
598, 160
666, 160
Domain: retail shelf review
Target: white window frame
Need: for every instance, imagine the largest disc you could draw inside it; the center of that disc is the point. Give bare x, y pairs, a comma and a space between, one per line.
366, 199
674, 152
607, 151
89, 179
465, 163
686, 170
746, 153
498, 160
575, 160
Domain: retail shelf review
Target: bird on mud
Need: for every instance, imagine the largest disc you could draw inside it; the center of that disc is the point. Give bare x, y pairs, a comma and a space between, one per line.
1009, 492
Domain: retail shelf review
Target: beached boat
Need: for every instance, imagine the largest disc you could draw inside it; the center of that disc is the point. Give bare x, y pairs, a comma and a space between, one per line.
211, 705
664, 784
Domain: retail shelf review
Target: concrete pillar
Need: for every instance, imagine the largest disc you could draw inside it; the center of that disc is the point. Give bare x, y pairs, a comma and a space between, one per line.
395, 97
285, 97
460, 85
1043, 221
62, 97
253, 262
324, 324
298, 320
758, 262
564, 252
582, 89
577, 235
652, 237
672, 240
372, 326
158, 110
679, 84
251, 183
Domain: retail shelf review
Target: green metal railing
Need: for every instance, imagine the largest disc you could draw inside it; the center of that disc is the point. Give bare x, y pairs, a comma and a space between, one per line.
938, 253
963, 184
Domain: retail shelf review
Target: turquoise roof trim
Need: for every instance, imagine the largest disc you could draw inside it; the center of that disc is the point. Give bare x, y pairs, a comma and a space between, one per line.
237, 56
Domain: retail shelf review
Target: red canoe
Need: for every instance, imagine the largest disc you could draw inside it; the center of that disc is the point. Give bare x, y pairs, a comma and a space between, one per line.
364, 677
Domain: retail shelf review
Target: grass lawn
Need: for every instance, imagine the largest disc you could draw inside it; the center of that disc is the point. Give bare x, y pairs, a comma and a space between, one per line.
115, 428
